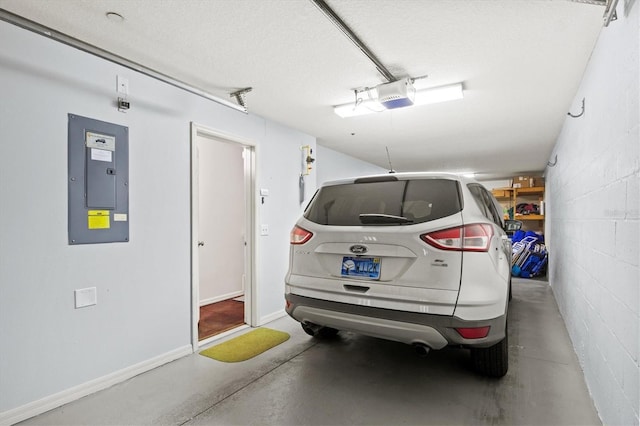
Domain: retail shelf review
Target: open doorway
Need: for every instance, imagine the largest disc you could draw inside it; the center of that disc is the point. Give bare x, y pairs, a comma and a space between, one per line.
223, 170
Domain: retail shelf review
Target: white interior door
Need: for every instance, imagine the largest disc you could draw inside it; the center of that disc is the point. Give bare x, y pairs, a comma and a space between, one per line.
222, 222
222, 219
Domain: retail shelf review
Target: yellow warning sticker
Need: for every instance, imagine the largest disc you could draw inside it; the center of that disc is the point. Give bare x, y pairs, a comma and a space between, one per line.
99, 219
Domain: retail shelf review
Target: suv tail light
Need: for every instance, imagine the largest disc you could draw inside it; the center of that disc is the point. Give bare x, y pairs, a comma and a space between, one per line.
474, 237
474, 333
300, 235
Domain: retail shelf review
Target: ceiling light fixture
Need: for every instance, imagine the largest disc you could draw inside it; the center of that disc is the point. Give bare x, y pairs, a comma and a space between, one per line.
376, 99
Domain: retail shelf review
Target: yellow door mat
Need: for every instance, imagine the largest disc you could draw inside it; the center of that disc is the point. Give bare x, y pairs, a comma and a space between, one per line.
247, 346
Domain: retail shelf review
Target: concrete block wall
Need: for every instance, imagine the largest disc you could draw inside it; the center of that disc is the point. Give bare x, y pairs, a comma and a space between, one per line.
593, 221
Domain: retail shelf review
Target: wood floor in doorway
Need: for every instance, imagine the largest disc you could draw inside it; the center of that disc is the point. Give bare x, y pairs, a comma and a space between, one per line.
219, 317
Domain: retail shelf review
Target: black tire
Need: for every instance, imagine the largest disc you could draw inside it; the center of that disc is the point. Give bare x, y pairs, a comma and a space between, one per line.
510, 292
492, 361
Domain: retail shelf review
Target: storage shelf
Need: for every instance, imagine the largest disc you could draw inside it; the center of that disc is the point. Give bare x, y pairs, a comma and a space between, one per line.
529, 217
510, 197
530, 191
534, 194
502, 193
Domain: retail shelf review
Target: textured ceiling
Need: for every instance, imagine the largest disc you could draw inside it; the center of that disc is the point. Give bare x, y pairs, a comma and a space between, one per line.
520, 62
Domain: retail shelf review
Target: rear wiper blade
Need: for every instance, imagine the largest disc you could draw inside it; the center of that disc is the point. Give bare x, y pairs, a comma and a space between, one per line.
378, 218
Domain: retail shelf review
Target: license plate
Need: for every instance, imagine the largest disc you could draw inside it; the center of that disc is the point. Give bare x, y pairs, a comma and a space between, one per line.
361, 267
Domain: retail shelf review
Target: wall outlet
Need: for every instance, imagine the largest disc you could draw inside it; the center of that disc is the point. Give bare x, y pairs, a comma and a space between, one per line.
264, 230
86, 297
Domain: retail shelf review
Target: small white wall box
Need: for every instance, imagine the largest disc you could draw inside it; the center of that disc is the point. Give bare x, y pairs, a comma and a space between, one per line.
86, 297
396, 94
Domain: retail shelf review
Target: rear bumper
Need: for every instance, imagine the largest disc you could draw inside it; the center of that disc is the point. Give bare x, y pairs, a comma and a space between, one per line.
435, 331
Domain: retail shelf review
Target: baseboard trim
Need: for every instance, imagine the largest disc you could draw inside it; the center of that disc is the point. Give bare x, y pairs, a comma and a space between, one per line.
227, 296
271, 317
224, 334
56, 400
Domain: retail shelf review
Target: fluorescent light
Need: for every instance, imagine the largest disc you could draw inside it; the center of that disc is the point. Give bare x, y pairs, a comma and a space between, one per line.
365, 107
423, 97
434, 95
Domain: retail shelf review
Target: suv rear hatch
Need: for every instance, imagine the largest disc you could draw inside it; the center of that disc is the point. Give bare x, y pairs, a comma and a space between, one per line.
381, 242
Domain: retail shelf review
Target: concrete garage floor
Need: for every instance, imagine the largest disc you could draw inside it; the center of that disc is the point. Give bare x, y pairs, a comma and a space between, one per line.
355, 379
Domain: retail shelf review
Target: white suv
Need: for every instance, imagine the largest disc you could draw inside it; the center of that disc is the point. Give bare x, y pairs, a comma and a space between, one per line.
418, 258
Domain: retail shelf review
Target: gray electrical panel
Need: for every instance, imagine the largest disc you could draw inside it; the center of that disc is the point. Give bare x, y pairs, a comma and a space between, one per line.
98, 181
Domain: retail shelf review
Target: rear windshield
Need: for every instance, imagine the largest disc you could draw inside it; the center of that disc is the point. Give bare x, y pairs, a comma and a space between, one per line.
398, 202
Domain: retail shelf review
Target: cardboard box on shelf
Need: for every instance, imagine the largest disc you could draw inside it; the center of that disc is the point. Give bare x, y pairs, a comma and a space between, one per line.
538, 182
501, 193
523, 181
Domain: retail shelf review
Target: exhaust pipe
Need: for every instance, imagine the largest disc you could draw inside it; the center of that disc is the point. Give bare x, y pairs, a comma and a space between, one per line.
310, 328
422, 349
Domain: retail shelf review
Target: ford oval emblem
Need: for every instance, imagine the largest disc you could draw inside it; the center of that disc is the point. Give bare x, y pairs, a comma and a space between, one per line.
358, 249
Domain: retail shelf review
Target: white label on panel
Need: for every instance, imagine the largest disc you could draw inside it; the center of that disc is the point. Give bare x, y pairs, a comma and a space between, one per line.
96, 140
119, 217
101, 155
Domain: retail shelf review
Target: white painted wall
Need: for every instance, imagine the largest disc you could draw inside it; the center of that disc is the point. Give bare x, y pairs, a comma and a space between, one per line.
495, 184
335, 165
51, 352
592, 221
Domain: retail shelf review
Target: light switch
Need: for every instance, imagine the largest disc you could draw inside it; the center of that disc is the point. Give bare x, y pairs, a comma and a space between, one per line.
264, 230
86, 297
264, 192
122, 85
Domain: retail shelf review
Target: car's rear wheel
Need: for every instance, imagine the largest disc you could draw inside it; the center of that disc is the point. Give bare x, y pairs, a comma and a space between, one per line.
492, 361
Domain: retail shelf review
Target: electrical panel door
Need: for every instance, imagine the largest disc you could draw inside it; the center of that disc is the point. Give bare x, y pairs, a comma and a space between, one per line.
98, 181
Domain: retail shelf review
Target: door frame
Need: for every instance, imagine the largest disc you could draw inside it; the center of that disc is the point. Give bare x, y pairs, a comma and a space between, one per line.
250, 168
